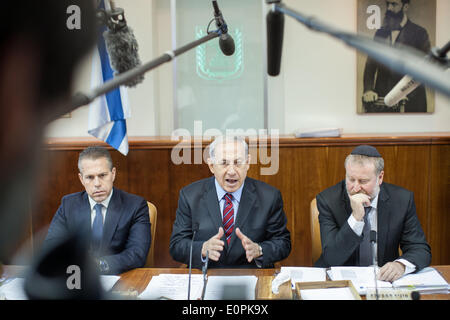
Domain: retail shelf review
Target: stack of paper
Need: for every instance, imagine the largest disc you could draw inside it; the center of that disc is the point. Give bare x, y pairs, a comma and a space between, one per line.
318, 133
327, 294
231, 288
173, 287
427, 280
13, 289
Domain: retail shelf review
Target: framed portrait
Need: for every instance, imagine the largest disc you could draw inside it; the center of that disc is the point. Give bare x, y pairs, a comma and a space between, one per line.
397, 23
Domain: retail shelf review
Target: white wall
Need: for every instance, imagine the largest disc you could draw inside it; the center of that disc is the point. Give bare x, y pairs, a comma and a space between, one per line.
316, 88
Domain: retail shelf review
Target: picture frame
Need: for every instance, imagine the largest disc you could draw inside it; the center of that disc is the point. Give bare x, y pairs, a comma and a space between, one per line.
406, 23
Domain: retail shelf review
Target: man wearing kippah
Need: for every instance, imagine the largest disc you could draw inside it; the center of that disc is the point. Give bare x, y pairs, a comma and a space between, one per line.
361, 207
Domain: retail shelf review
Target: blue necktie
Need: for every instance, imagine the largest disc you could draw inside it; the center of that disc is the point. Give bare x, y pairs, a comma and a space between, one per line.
97, 227
365, 251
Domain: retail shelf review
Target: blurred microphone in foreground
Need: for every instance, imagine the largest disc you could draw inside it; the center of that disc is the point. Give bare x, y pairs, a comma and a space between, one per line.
39, 56
407, 84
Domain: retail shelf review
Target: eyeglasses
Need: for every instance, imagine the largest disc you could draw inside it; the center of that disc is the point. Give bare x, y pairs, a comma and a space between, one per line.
236, 163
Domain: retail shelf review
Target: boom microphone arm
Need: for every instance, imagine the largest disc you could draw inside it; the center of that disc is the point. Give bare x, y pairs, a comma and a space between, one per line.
404, 61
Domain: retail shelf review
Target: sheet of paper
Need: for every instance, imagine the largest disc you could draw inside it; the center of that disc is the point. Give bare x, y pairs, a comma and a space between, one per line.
361, 277
327, 294
173, 286
13, 290
231, 287
428, 277
305, 274
108, 281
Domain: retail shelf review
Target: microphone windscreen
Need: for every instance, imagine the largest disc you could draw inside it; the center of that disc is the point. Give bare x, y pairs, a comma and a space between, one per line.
275, 30
226, 44
122, 48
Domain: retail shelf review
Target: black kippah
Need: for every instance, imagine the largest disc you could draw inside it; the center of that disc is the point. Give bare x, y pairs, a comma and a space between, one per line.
366, 150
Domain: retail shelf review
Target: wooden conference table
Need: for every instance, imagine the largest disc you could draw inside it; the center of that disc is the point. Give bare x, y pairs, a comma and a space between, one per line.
138, 279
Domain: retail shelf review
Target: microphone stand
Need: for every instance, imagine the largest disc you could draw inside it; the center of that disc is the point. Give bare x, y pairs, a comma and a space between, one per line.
81, 99
403, 61
190, 267
205, 275
373, 241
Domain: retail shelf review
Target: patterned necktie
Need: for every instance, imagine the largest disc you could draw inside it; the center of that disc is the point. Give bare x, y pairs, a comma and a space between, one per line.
228, 217
365, 250
97, 227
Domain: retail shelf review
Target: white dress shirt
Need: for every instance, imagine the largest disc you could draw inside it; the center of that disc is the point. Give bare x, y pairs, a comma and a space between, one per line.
105, 204
358, 226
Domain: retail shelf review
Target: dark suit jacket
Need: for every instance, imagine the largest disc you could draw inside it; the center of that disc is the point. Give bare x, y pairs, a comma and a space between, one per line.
381, 79
126, 230
398, 225
260, 217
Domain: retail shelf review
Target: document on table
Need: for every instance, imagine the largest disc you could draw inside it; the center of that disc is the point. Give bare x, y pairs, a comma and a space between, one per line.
231, 288
13, 290
108, 281
173, 287
426, 280
361, 277
305, 274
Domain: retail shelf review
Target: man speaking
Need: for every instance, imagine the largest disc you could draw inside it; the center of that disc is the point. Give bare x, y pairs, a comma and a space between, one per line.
238, 221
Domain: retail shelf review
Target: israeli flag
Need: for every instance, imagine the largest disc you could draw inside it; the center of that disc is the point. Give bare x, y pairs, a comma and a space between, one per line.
108, 113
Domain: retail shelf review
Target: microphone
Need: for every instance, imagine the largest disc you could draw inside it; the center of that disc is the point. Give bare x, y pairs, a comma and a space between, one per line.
226, 42
275, 30
194, 229
121, 43
373, 240
407, 84
205, 274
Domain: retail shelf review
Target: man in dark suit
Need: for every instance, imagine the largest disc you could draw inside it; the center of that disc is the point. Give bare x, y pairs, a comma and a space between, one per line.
379, 80
116, 222
349, 210
239, 221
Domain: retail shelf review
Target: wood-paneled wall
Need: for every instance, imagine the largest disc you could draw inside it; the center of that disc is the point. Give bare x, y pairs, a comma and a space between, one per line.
420, 163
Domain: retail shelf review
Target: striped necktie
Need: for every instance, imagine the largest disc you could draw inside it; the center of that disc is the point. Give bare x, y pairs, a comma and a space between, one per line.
228, 217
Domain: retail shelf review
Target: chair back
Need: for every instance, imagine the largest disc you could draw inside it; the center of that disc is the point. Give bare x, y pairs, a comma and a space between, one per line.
153, 217
315, 232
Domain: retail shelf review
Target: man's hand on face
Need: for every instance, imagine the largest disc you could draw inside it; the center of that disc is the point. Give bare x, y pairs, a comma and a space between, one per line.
358, 202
